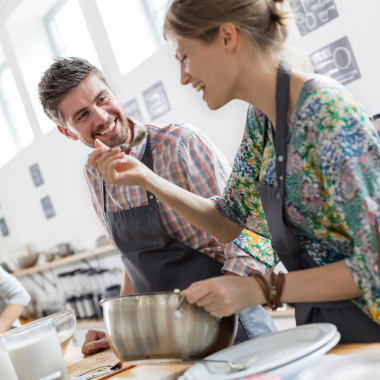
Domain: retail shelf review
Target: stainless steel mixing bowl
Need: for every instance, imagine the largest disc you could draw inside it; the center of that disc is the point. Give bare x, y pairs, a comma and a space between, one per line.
141, 329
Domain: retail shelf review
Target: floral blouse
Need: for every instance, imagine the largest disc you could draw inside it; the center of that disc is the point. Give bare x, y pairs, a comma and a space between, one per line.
332, 188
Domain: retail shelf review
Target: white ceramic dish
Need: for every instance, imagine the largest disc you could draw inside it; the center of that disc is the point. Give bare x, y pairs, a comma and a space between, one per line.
271, 351
291, 370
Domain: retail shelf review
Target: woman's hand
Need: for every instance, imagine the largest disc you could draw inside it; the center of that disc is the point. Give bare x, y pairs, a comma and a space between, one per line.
116, 167
224, 296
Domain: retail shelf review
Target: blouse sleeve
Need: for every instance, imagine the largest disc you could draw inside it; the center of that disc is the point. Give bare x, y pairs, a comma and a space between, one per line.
350, 162
240, 201
11, 290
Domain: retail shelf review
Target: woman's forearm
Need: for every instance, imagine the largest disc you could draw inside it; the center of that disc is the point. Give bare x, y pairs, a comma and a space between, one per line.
331, 282
9, 315
223, 296
198, 211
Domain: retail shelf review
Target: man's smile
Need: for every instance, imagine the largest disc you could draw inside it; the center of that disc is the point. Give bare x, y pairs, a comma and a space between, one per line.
108, 130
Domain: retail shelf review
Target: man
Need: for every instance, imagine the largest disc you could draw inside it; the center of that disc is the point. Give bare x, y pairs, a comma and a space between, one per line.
159, 249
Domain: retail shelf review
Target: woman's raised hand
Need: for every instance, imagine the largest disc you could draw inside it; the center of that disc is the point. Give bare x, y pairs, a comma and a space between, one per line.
117, 168
226, 295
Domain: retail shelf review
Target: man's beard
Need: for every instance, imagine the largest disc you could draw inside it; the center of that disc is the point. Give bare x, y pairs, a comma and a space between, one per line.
119, 138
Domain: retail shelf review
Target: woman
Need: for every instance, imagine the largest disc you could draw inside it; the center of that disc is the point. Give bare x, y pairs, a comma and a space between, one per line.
306, 174
13, 299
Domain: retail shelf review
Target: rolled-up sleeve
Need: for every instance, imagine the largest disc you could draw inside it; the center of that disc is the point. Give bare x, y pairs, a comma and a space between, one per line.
12, 291
240, 201
207, 172
350, 161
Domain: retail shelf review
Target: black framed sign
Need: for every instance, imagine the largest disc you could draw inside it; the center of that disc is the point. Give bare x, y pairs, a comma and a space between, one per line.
156, 100
36, 175
48, 207
3, 227
132, 109
336, 60
312, 14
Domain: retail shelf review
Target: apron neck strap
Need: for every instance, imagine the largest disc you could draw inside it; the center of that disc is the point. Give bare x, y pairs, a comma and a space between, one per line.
148, 161
282, 98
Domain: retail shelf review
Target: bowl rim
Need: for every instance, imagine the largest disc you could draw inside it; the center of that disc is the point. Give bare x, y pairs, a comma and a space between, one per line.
103, 301
53, 317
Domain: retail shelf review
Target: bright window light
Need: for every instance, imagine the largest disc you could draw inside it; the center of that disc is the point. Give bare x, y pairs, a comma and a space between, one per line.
18, 135
134, 29
68, 31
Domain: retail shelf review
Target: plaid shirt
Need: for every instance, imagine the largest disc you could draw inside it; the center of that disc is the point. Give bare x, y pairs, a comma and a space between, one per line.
184, 156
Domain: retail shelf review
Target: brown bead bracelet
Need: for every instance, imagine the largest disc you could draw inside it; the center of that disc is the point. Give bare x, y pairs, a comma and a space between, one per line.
273, 292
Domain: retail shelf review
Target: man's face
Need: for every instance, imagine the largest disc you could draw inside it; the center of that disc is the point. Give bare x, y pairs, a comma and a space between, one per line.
93, 112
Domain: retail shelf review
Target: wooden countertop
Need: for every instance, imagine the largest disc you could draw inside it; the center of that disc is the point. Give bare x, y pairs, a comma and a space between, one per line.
169, 372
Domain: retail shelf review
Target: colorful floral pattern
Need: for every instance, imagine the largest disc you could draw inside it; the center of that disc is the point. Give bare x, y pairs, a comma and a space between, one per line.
332, 192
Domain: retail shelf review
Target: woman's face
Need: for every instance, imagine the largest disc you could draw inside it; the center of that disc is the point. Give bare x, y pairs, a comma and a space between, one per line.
208, 67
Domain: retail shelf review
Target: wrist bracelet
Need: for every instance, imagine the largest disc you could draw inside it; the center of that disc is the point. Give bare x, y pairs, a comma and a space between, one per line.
272, 293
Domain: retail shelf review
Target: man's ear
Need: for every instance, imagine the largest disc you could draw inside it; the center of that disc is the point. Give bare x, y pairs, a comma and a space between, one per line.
67, 133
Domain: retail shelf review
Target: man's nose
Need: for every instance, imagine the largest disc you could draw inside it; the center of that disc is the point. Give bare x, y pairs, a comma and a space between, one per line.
185, 77
100, 116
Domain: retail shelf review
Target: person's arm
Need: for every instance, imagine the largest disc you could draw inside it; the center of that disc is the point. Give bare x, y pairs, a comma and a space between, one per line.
224, 296
206, 172
9, 315
16, 298
126, 286
120, 169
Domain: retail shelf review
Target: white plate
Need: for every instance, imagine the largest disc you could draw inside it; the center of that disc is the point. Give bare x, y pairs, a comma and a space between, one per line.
271, 351
289, 371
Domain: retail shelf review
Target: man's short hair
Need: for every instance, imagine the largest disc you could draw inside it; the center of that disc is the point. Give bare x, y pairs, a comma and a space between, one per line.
61, 78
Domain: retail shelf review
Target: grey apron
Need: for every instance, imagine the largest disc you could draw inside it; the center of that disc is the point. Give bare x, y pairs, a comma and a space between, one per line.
156, 262
353, 325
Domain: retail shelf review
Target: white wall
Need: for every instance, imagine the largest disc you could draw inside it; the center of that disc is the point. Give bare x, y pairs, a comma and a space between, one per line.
61, 160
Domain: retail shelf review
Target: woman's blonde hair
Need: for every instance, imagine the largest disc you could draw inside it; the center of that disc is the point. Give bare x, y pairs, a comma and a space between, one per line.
263, 22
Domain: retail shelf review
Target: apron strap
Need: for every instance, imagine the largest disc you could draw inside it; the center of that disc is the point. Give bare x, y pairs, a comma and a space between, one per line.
148, 161
282, 95
102, 194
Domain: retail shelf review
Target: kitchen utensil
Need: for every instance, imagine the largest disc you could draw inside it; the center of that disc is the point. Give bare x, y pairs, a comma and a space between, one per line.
139, 138
35, 351
111, 368
64, 249
233, 367
141, 329
50, 256
273, 352
27, 261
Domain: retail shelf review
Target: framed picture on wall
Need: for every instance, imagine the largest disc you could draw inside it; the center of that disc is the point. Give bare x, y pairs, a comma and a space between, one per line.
337, 61
312, 14
36, 175
156, 100
132, 109
48, 207
3, 227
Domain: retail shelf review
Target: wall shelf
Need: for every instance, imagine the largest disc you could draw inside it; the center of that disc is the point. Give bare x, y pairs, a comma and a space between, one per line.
57, 262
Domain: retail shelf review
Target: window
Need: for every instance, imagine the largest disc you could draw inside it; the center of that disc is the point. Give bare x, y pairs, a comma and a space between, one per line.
19, 133
68, 32
134, 29
158, 9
